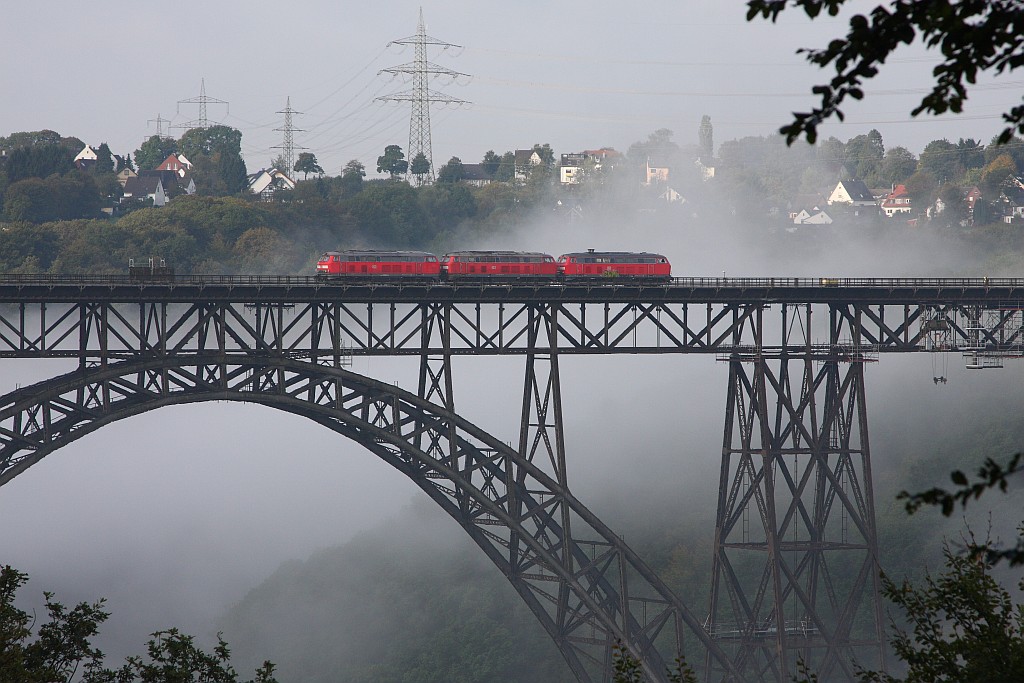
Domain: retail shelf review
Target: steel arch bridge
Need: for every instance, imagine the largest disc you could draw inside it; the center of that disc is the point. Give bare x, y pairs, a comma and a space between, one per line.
581, 581
795, 561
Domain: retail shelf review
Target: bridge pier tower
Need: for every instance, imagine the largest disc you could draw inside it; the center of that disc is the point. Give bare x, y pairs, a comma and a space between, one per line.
435, 376
795, 572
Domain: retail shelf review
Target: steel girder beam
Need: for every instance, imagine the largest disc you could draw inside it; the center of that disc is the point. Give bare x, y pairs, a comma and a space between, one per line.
493, 492
795, 570
327, 331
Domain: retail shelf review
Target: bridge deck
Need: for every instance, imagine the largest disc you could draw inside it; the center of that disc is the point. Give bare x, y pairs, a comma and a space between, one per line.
991, 292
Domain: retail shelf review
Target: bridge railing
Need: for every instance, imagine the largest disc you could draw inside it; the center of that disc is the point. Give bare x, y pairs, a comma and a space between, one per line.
384, 280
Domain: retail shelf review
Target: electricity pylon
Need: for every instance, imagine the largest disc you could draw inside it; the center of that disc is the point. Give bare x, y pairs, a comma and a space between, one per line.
202, 101
420, 95
288, 147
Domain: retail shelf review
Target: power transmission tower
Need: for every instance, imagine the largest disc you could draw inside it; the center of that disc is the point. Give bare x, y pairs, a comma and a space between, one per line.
420, 95
159, 121
288, 147
202, 101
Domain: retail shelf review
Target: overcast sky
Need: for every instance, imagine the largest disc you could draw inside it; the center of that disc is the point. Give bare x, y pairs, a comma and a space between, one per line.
578, 74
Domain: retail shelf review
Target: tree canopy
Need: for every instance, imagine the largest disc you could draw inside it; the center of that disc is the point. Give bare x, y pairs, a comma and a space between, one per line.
392, 161
306, 164
61, 648
973, 36
452, 172
420, 166
209, 141
153, 152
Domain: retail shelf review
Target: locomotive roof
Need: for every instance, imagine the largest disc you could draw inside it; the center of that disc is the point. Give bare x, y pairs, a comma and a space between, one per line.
638, 254
489, 252
381, 252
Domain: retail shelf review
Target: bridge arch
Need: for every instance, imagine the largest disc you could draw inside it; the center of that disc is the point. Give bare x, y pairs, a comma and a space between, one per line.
585, 586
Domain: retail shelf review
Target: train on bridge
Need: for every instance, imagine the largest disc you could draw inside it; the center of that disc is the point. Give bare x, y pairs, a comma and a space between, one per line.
493, 265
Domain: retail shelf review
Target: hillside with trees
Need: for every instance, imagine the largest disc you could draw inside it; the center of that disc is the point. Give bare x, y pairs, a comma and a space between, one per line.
59, 215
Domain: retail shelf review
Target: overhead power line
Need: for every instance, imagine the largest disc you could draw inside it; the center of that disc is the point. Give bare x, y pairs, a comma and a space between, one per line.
420, 95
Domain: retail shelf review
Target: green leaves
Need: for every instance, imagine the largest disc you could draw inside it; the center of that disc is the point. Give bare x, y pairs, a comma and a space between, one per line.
971, 35
628, 669
63, 645
392, 162
306, 164
964, 625
990, 475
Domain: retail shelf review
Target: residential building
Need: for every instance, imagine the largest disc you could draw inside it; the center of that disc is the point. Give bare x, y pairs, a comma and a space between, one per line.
176, 163
706, 172
671, 196
138, 188
812, 216
571, 168
87, 154
86, 159
124, 174
657, 172
897, 202
972, 197
525, 160
174, 184
853, 193
475, 175
266, 182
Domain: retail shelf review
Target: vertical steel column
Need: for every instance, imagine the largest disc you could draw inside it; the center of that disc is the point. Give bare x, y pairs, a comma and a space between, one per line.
435, 380
795, 571
540, 430
541, 434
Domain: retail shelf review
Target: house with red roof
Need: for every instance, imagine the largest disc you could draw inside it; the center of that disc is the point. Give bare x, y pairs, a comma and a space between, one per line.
897, 202
177, 163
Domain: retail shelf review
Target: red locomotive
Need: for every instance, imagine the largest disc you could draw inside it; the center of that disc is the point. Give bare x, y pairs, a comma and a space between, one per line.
376, 262
614, 263
498, 263
494, 265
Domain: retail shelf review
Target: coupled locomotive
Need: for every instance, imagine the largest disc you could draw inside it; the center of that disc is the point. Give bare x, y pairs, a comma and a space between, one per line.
493, 265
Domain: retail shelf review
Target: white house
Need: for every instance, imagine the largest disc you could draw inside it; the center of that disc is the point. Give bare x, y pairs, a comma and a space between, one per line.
897, 202
813, 216
266, 182
570, 170
706, 172
87, 154
151, 187
853, 193
525, 160
672, 197
656, 172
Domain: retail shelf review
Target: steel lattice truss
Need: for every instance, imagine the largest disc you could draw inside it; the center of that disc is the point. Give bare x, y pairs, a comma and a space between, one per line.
795, 572
329, 331
587, 588
796, 562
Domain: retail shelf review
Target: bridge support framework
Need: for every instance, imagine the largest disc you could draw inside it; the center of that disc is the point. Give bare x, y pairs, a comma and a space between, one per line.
795, 572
